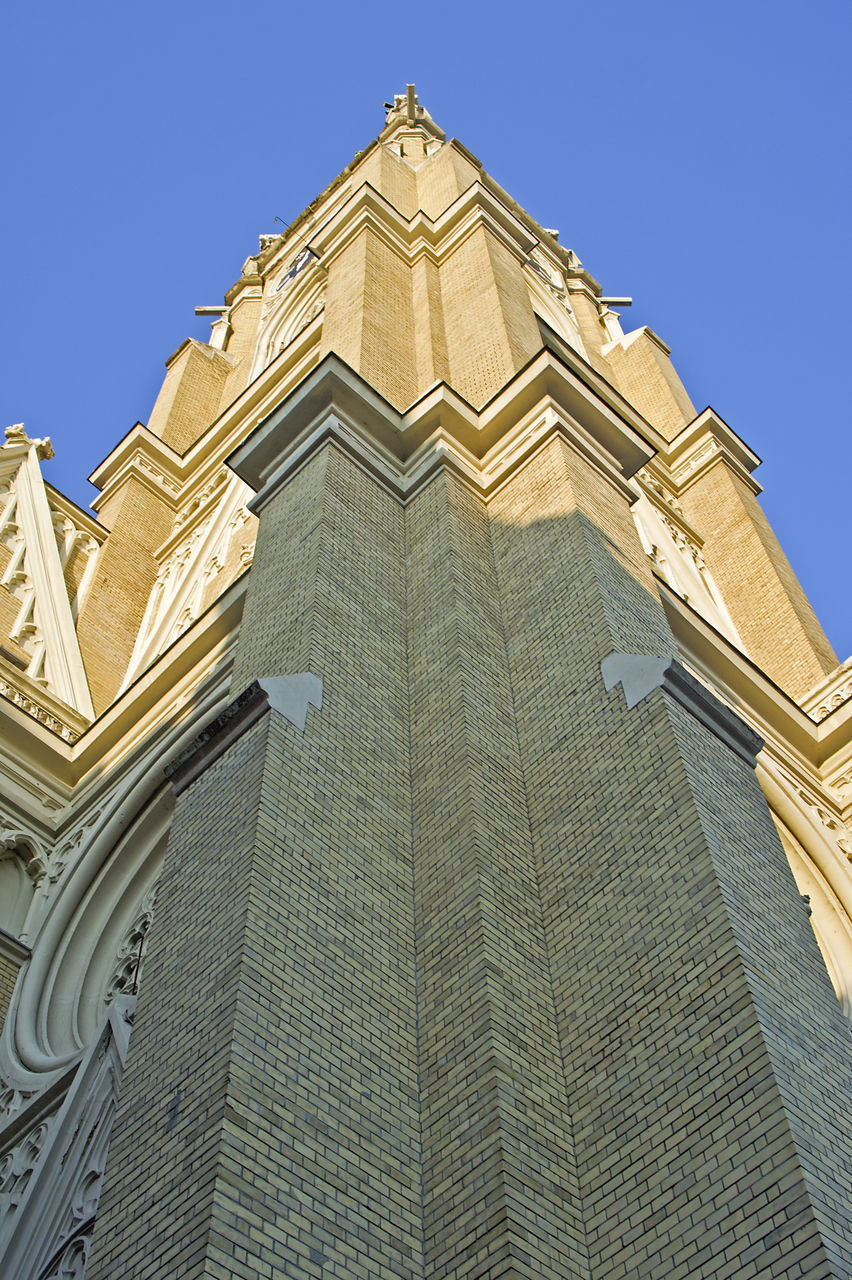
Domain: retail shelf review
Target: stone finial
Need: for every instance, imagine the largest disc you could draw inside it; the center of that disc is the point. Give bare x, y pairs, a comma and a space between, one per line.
17, 435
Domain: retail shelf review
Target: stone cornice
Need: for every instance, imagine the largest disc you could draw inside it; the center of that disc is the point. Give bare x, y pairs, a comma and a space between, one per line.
438, 428
701, 444
32, 749
37, 702
12, 949
832, 693
145, 457
772, 713
474, 207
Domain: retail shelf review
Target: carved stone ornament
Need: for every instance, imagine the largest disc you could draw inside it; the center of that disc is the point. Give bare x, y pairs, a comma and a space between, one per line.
12, 1099
128, 963
16, 434
655, 487
37, 712
71, 1263
835, 826
17, 1168
28, 848
51, 1175
697, 459
835, 700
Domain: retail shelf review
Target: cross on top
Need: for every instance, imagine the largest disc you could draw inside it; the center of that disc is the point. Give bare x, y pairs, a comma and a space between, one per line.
406, 102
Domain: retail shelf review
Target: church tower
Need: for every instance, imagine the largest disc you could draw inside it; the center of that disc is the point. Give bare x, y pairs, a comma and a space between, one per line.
427, 810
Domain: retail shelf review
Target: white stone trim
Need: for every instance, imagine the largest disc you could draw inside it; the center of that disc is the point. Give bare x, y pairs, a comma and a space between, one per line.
56, 657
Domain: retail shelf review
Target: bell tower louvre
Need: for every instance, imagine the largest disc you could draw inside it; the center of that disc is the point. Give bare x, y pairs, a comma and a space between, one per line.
426, 820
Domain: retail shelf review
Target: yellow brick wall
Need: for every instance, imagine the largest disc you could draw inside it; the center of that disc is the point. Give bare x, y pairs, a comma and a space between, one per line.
481, 355
297, 1125
430, 340
390, 175
499, 1167
772, 614
654, 847
189, 398
387, 351
110, 618
244, 318
344, 302
645, 376
442, 178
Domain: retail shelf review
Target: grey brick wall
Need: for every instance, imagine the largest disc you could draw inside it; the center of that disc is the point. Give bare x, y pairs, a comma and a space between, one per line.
483, 975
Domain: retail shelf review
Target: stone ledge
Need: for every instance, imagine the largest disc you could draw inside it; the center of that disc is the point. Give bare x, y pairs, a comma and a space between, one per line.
290, 696
639, 674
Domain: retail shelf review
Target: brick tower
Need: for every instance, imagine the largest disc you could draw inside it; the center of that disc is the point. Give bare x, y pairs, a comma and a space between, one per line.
427, 828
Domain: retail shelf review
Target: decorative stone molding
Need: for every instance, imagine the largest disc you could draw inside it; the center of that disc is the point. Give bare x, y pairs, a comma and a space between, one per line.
31, 707
655, 488
127, 972
146, 457
675, 550
195, 554
17, 1167
44, 627
50, 1178
835, 700
72, 1259
403, 450
68, 845
834, 825
701, 443
31, 850
12, 1099
833, 692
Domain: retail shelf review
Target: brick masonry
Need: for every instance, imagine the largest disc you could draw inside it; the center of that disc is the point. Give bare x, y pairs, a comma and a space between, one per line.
9, 969
772, 613
467, 979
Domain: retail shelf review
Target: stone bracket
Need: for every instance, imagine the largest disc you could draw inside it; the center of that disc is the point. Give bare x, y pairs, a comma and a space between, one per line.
290, 696
639, 674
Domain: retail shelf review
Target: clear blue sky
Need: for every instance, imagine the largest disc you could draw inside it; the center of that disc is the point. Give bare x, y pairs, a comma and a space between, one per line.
696, 157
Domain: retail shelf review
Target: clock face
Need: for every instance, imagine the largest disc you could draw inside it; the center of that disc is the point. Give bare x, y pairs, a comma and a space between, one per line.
298, 264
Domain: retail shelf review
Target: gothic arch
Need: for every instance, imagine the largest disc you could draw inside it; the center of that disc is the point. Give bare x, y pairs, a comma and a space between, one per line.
16, 892
88, 966
288, 316
87, 944
23, 864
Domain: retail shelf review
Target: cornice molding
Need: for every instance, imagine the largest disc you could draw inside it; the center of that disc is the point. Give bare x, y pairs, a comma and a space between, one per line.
366, 207
772, 713
831, 694
144, 457
441, 428
703, 442
11, 948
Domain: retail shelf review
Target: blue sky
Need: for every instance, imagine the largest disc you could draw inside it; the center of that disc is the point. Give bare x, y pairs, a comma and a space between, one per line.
696, 157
